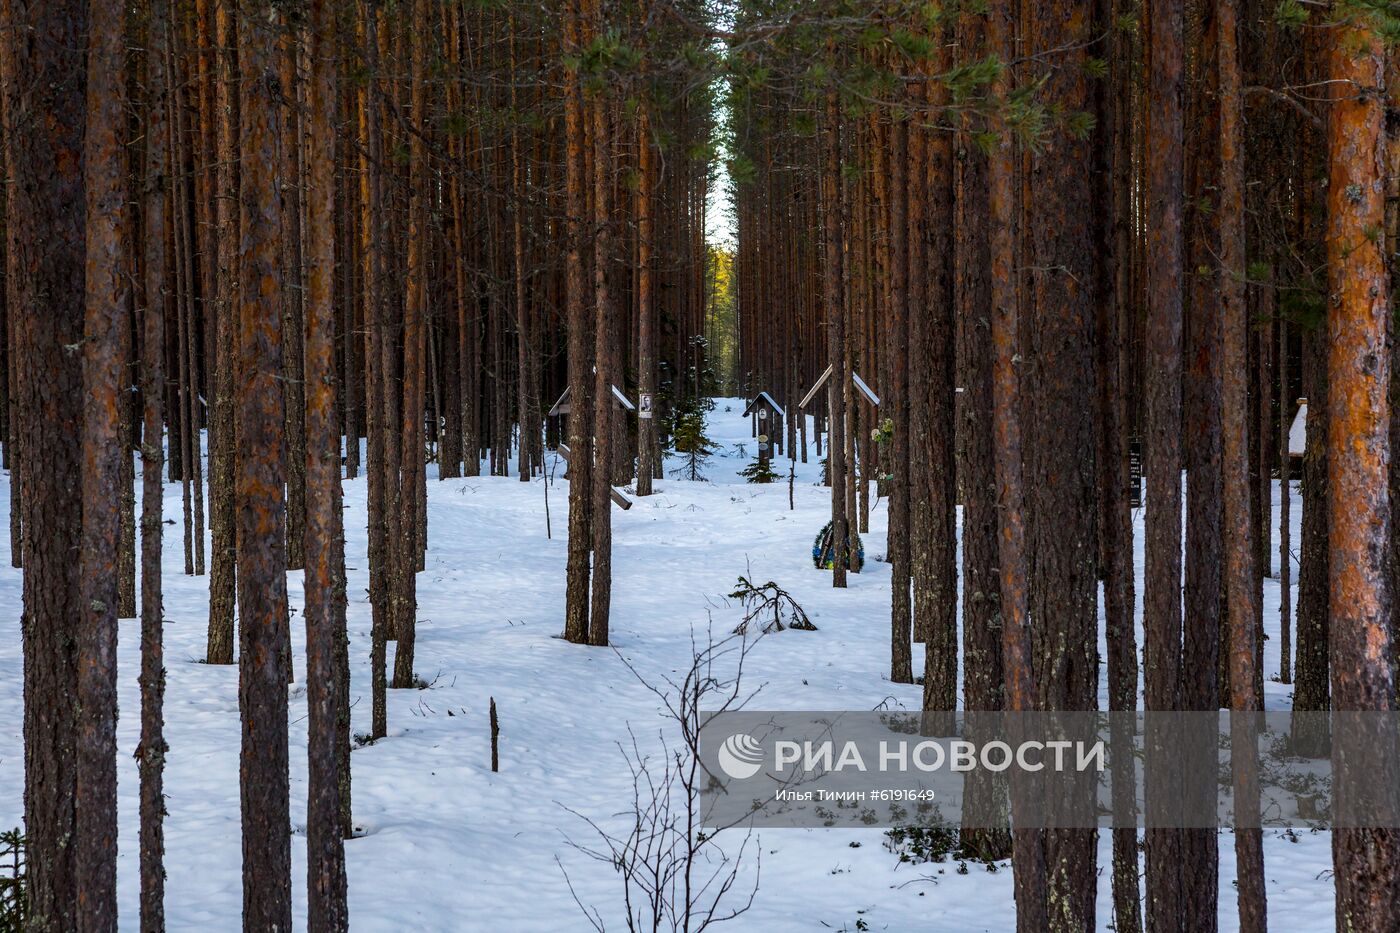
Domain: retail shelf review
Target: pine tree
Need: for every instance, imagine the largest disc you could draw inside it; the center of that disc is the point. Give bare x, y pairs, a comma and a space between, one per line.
222, 453
1162, 618
1028, 852
260, 490
325, 557
158, 292
580, 419
44, 106
411, 459
692, 445
1366, 860
105, 483
833, 303
1242, 598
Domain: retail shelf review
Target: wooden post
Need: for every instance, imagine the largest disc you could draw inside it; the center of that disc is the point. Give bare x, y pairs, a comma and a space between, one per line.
495, 738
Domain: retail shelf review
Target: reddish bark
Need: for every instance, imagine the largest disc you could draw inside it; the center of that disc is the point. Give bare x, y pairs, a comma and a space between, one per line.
411, 459
45, 108
1366, 860
983, 673
833, 304
1240, 555
104, 485
1162, 620
1204, 659
1285, 528
932, 370
604, 365
1028, 852
151, 752
325, 562
1116, 531
260, 491
580, 418
222, 430
293, 268
647, 452
896, 385
372, 245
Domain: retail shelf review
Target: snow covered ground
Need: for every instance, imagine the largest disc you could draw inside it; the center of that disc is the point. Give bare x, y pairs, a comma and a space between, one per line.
448, 845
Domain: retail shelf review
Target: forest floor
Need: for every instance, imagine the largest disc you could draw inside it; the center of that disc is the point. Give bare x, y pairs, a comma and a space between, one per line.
446, 844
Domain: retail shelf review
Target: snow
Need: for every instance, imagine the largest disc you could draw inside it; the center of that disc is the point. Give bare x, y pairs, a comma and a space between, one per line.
448, 845
1298, 430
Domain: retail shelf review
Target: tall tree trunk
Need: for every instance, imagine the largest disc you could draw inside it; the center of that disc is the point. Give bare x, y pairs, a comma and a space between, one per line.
260, 492
1312, 655
1028, 850
348, 300
1205, 657
604, 408
896, 406
1311, 692
189, 394
389, 318
524, 334
105, 443
293, 270
13, 360
1162, 621
1116, 530
411, 460
932, 384
45, 108
647, 451
325, 561
580, 417
128, 404
1061, 472
183, 433
1366, 860
377, 382
983, 674
197, 226
833, 304
1240, 554
222, 432
151, 751
1285, 507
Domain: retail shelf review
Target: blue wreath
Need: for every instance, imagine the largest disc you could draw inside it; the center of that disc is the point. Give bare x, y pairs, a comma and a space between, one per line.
823, 552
